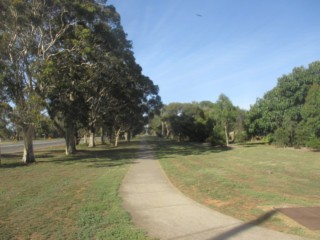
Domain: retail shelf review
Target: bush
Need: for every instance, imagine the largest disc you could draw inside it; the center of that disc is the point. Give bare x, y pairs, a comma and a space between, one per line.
241, 137
268, 139
314, 143
306, 136
217, 138
281, 138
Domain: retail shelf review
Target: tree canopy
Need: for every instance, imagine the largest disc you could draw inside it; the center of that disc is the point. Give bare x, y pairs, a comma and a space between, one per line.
73, 61
217, 123
288, 114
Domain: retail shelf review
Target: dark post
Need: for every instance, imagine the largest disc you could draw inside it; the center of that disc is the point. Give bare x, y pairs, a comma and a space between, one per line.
0, 151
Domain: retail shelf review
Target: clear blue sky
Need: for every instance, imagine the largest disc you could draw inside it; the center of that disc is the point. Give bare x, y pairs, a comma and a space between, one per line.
197, 49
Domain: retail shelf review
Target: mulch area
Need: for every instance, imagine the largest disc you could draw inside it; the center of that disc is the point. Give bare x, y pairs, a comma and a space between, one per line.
306, 216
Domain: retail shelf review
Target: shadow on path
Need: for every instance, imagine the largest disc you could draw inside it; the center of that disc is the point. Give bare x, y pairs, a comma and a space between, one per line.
245, 226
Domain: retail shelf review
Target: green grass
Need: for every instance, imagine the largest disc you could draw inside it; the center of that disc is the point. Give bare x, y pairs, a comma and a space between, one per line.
66, 197
246, 181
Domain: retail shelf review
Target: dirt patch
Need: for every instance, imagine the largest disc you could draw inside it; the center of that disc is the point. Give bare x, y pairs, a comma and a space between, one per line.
216, 203
36, 236
306, 216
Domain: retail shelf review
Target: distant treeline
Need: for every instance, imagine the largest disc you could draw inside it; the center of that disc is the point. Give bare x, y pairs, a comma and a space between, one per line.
288, 115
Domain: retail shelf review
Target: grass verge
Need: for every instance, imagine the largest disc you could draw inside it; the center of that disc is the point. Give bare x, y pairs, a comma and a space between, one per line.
246, 181
66, 197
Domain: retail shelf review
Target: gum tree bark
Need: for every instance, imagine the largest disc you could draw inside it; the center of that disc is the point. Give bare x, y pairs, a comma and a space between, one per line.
226, 133
70, 140
29, 38
92, 133
103, 136
28, 133
117, 136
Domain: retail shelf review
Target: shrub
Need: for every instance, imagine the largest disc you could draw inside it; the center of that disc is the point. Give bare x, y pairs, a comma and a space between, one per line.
241, 137
281, 138
218, 137
269, 139
314, 143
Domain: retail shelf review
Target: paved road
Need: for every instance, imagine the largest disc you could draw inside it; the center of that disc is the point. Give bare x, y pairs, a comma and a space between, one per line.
38, 144
159, 208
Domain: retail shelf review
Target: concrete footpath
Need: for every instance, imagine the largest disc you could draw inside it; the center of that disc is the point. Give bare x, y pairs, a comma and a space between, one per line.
157, 207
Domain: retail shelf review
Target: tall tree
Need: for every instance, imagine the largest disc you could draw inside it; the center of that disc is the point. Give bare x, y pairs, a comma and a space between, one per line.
279, 112
5, 111
29, 33
186, 121
311, 116
72, 57
226, 114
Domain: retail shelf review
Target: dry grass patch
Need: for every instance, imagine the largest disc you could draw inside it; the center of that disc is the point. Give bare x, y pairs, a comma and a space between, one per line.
238, 181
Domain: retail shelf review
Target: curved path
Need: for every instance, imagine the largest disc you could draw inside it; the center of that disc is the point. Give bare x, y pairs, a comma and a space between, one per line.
165, 213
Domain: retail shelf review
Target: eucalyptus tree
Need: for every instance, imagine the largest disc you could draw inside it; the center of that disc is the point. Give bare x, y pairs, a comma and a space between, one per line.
132, 103
87, 72
5, 110
169, 114
310, 126
279, 113
186, 121
225, 115
134, 97
30, 33
68, 77
253, 119
68, 56
65, 100
106, 47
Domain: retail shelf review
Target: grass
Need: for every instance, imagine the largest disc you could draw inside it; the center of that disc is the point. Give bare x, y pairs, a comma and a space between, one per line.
76, 197
66, 197
246, 181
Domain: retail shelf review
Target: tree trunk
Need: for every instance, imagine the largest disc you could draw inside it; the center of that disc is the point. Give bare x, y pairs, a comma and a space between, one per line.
17, 136
92, 142
226, 133
129, 136
28, 154
103, 136
117, 137
162, 128
70, 140
85, 138
126, 136
167, 130
111, 138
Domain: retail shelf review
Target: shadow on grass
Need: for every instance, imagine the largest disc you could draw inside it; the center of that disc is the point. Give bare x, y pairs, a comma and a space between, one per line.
167, 148
99, 157
252, 144
12, 160
126, 153
103, 156
13, 165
